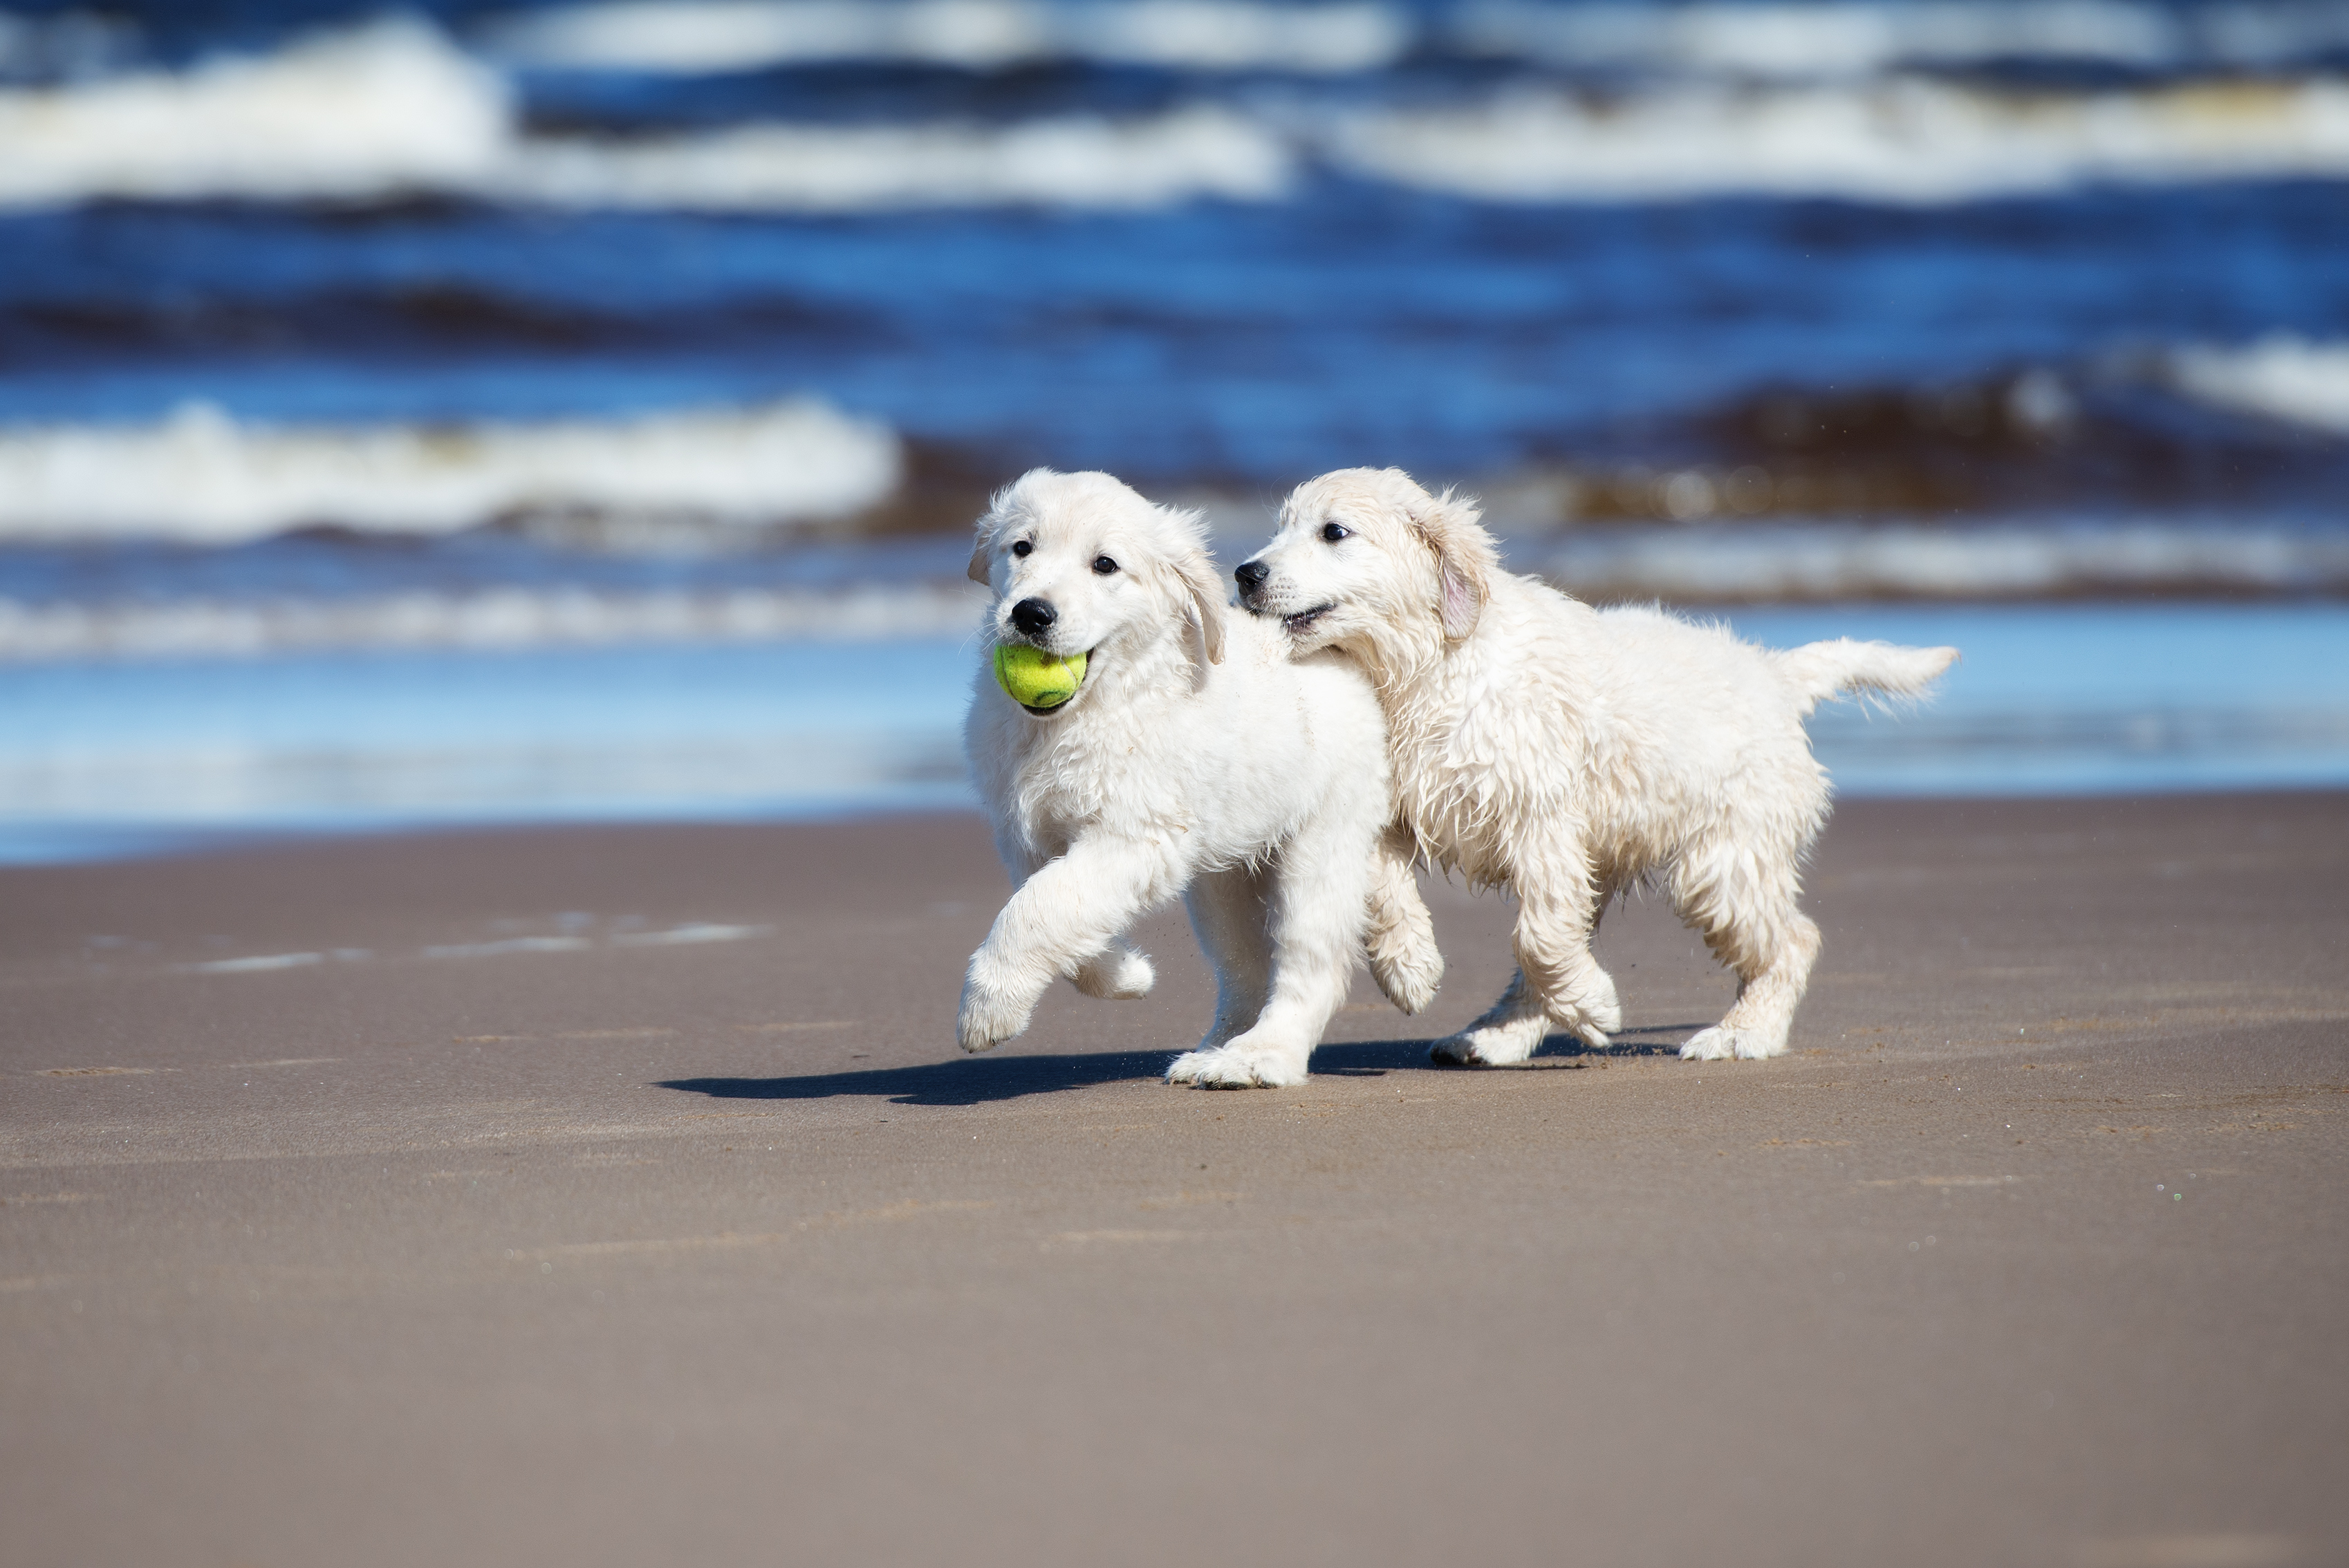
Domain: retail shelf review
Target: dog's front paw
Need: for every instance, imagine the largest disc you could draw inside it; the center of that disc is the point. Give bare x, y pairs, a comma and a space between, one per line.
1721, 1043
987, 1019
1714, 1045
1492, 1044
1116, 975
1240, 1066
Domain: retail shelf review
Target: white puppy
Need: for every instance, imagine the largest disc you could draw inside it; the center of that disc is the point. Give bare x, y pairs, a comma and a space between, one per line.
1195, 754
1566, 752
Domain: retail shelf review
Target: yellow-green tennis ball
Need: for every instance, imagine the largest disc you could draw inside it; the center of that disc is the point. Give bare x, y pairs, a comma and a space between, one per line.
1035, 677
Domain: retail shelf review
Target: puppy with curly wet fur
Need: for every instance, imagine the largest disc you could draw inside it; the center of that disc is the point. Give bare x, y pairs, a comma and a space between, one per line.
1566, 752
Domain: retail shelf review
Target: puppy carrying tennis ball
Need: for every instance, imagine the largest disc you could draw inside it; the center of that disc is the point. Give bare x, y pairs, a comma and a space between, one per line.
1157, 743
1035, 679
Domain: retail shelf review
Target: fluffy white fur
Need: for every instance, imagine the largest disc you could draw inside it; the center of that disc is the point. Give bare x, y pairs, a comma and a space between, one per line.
1196, 754
1566, 752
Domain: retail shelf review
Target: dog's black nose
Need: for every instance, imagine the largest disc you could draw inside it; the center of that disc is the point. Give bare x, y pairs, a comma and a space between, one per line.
1033, 615
1251, 574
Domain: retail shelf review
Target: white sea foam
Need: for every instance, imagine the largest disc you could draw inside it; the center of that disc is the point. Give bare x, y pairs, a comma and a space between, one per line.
2279, 378
713, 36
393, 109
1806, 41
354, 115
1904, 142
1760, 563
1079, 160
203, 478
493, 619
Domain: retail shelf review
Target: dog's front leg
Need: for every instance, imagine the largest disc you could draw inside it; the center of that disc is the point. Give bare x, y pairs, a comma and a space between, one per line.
1320, 904
1230, 912
1063, 918
1118, 972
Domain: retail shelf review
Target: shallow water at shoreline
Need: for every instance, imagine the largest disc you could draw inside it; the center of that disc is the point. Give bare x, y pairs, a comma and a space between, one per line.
129, 756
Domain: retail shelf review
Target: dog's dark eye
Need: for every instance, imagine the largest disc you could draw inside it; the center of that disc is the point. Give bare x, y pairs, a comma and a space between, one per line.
1104, 565
1022, 548
1334, 532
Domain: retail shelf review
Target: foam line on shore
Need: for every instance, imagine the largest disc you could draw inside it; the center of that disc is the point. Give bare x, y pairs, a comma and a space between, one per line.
690, 936
200, 477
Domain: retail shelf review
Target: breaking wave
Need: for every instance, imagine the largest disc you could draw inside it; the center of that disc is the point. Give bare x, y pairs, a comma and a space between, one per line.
358, 115
394, 110
1082, 161
200, 477
2279, 377
1905, 141
719, 36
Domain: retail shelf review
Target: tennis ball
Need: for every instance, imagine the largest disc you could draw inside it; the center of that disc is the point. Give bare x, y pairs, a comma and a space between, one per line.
1035, 677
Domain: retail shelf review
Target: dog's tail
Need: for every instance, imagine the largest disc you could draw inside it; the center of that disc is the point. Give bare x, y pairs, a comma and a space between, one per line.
1818, 671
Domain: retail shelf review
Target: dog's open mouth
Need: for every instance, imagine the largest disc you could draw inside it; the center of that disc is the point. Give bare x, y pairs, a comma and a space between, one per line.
1304, 618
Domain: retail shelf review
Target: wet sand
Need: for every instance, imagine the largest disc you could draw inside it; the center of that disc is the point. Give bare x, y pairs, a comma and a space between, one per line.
618, 1196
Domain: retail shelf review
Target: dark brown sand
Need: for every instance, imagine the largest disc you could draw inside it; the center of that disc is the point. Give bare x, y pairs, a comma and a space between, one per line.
623, 1239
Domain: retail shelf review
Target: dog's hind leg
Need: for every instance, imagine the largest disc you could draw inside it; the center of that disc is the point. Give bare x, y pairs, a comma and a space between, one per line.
1558, 980
1752, 923
1404, 959
1231, 912
1512, 1029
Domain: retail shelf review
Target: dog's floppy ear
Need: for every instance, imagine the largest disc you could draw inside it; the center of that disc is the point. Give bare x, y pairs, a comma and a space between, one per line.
1465, 558
982, 546
1206, 586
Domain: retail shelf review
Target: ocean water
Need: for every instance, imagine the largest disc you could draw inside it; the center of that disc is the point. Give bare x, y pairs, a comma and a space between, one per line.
507, 412
108, 757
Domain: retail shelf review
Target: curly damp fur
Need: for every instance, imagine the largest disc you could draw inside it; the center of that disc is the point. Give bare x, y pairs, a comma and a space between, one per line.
1566, 752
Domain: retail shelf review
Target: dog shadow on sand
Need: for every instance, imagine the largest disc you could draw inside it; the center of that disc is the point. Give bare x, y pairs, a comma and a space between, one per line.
978, 1080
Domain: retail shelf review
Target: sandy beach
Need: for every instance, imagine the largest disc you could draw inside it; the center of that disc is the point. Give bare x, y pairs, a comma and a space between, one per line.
618, 1196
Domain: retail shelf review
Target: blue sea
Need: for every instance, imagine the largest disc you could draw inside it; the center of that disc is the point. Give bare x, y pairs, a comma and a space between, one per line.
495, 412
